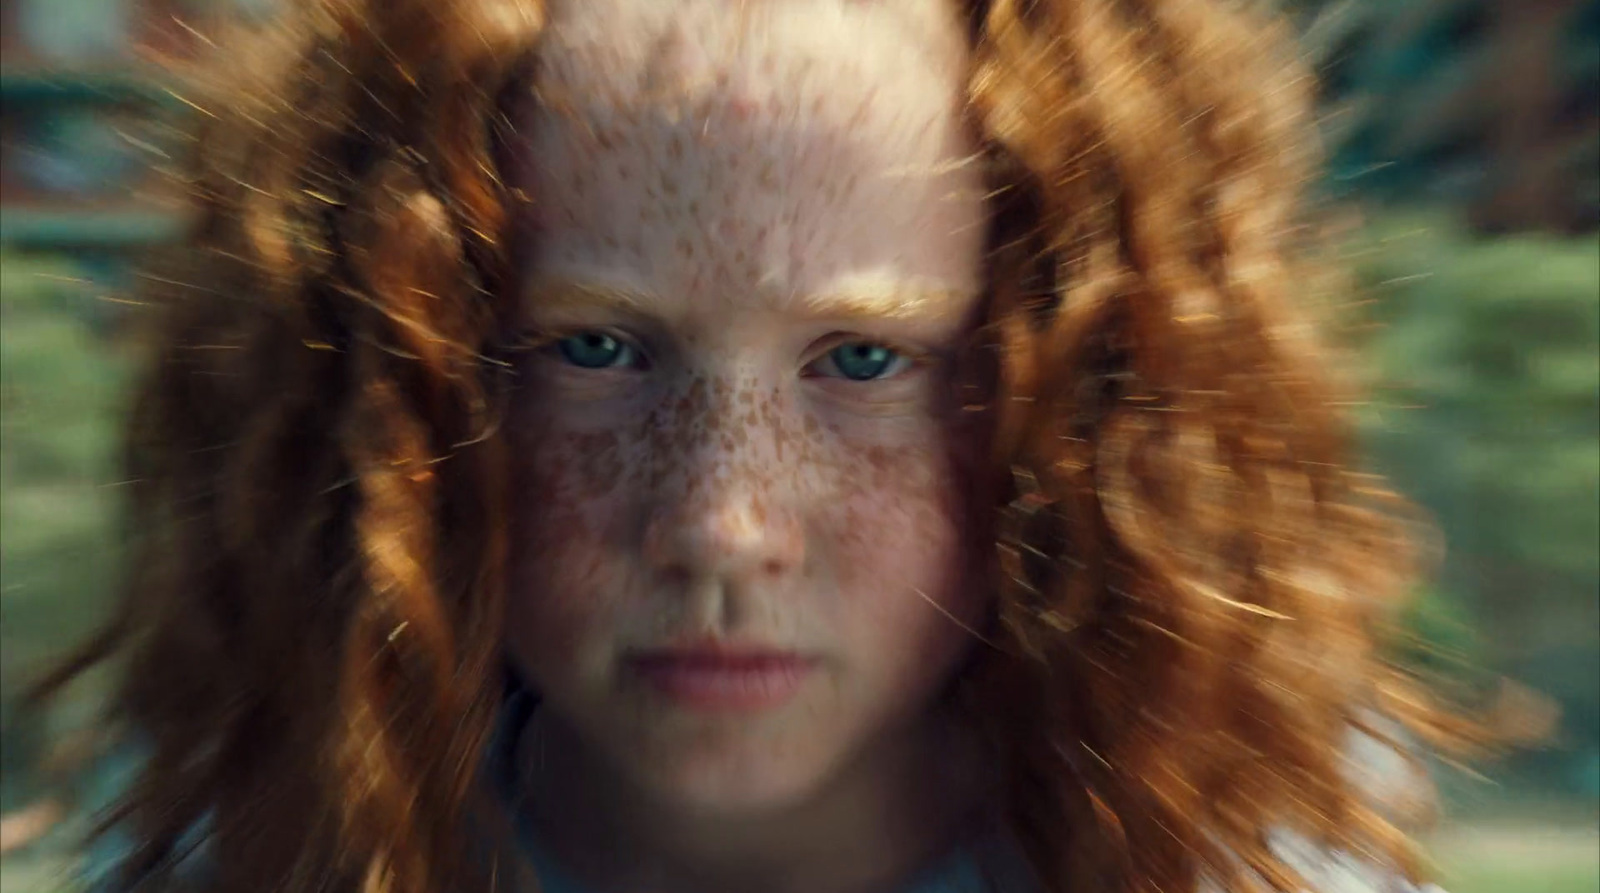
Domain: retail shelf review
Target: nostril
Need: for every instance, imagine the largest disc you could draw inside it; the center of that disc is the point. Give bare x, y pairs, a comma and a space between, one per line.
772, 567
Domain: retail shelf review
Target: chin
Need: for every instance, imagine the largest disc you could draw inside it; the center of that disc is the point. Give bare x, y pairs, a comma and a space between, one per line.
731, 777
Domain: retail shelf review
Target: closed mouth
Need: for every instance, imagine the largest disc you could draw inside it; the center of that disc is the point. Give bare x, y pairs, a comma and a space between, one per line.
723, 678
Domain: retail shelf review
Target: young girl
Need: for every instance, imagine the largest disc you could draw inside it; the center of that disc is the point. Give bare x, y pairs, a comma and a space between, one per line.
785, 445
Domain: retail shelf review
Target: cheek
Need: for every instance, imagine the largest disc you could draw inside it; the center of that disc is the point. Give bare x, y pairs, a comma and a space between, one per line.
566, 488
905, 551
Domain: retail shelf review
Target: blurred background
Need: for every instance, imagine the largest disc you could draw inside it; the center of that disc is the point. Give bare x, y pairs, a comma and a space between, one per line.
1465, 132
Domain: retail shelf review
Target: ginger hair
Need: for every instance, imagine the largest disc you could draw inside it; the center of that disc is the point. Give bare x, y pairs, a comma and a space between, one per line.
1190, 582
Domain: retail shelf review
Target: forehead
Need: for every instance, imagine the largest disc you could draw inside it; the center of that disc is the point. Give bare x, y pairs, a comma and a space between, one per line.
711, 152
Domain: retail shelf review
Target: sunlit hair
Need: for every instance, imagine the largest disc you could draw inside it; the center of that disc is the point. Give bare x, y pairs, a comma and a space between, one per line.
1189, 581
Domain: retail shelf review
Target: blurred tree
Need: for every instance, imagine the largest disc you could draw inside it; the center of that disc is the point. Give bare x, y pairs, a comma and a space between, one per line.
61, 388
1489, 351
1491, 105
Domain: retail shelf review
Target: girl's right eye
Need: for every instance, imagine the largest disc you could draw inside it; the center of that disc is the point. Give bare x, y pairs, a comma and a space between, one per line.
597, 350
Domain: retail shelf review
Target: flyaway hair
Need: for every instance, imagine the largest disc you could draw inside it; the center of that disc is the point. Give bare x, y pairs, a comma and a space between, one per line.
1190, 582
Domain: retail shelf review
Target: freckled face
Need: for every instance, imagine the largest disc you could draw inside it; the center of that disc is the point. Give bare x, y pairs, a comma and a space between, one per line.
756, 250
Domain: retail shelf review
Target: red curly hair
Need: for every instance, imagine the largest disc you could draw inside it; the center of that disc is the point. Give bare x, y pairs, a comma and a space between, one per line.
1191, 584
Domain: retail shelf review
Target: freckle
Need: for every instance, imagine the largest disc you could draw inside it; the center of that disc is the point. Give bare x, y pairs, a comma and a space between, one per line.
879, 458
741, 108
697, 393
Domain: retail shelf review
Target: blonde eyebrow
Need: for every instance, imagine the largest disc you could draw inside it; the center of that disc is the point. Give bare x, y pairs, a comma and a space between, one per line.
863, 301
566, 294
878, 301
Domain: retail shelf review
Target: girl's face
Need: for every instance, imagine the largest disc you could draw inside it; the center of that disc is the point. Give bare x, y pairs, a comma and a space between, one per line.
744, 548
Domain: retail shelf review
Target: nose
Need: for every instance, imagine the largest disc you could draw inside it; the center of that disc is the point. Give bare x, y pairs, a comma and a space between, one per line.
727, 512
728, 532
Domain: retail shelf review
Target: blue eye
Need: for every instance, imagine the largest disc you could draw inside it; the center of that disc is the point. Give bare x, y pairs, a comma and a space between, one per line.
864, 360
597, 350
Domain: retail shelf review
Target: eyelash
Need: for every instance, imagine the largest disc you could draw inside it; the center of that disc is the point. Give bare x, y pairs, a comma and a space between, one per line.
903, 361
624, 348
550, 343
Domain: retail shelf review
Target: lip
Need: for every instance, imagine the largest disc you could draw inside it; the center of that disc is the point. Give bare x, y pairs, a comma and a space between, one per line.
723, 678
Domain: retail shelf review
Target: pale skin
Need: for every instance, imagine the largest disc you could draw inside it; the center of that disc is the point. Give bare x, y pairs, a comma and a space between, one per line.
755, 262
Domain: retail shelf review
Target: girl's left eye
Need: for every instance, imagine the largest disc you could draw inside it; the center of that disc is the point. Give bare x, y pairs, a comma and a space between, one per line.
597, 350
862, 361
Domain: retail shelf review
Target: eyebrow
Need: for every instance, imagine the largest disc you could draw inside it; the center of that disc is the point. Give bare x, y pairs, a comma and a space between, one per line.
567, 295
867, 300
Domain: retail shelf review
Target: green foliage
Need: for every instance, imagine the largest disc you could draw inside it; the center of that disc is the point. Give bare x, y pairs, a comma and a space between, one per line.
1480, 876
1535, 853
60, 399
60, 396
1442, 636
1489, 356
1469, 102
1497, 344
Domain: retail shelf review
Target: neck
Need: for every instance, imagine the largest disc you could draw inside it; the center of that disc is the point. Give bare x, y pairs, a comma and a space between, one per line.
905, 801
